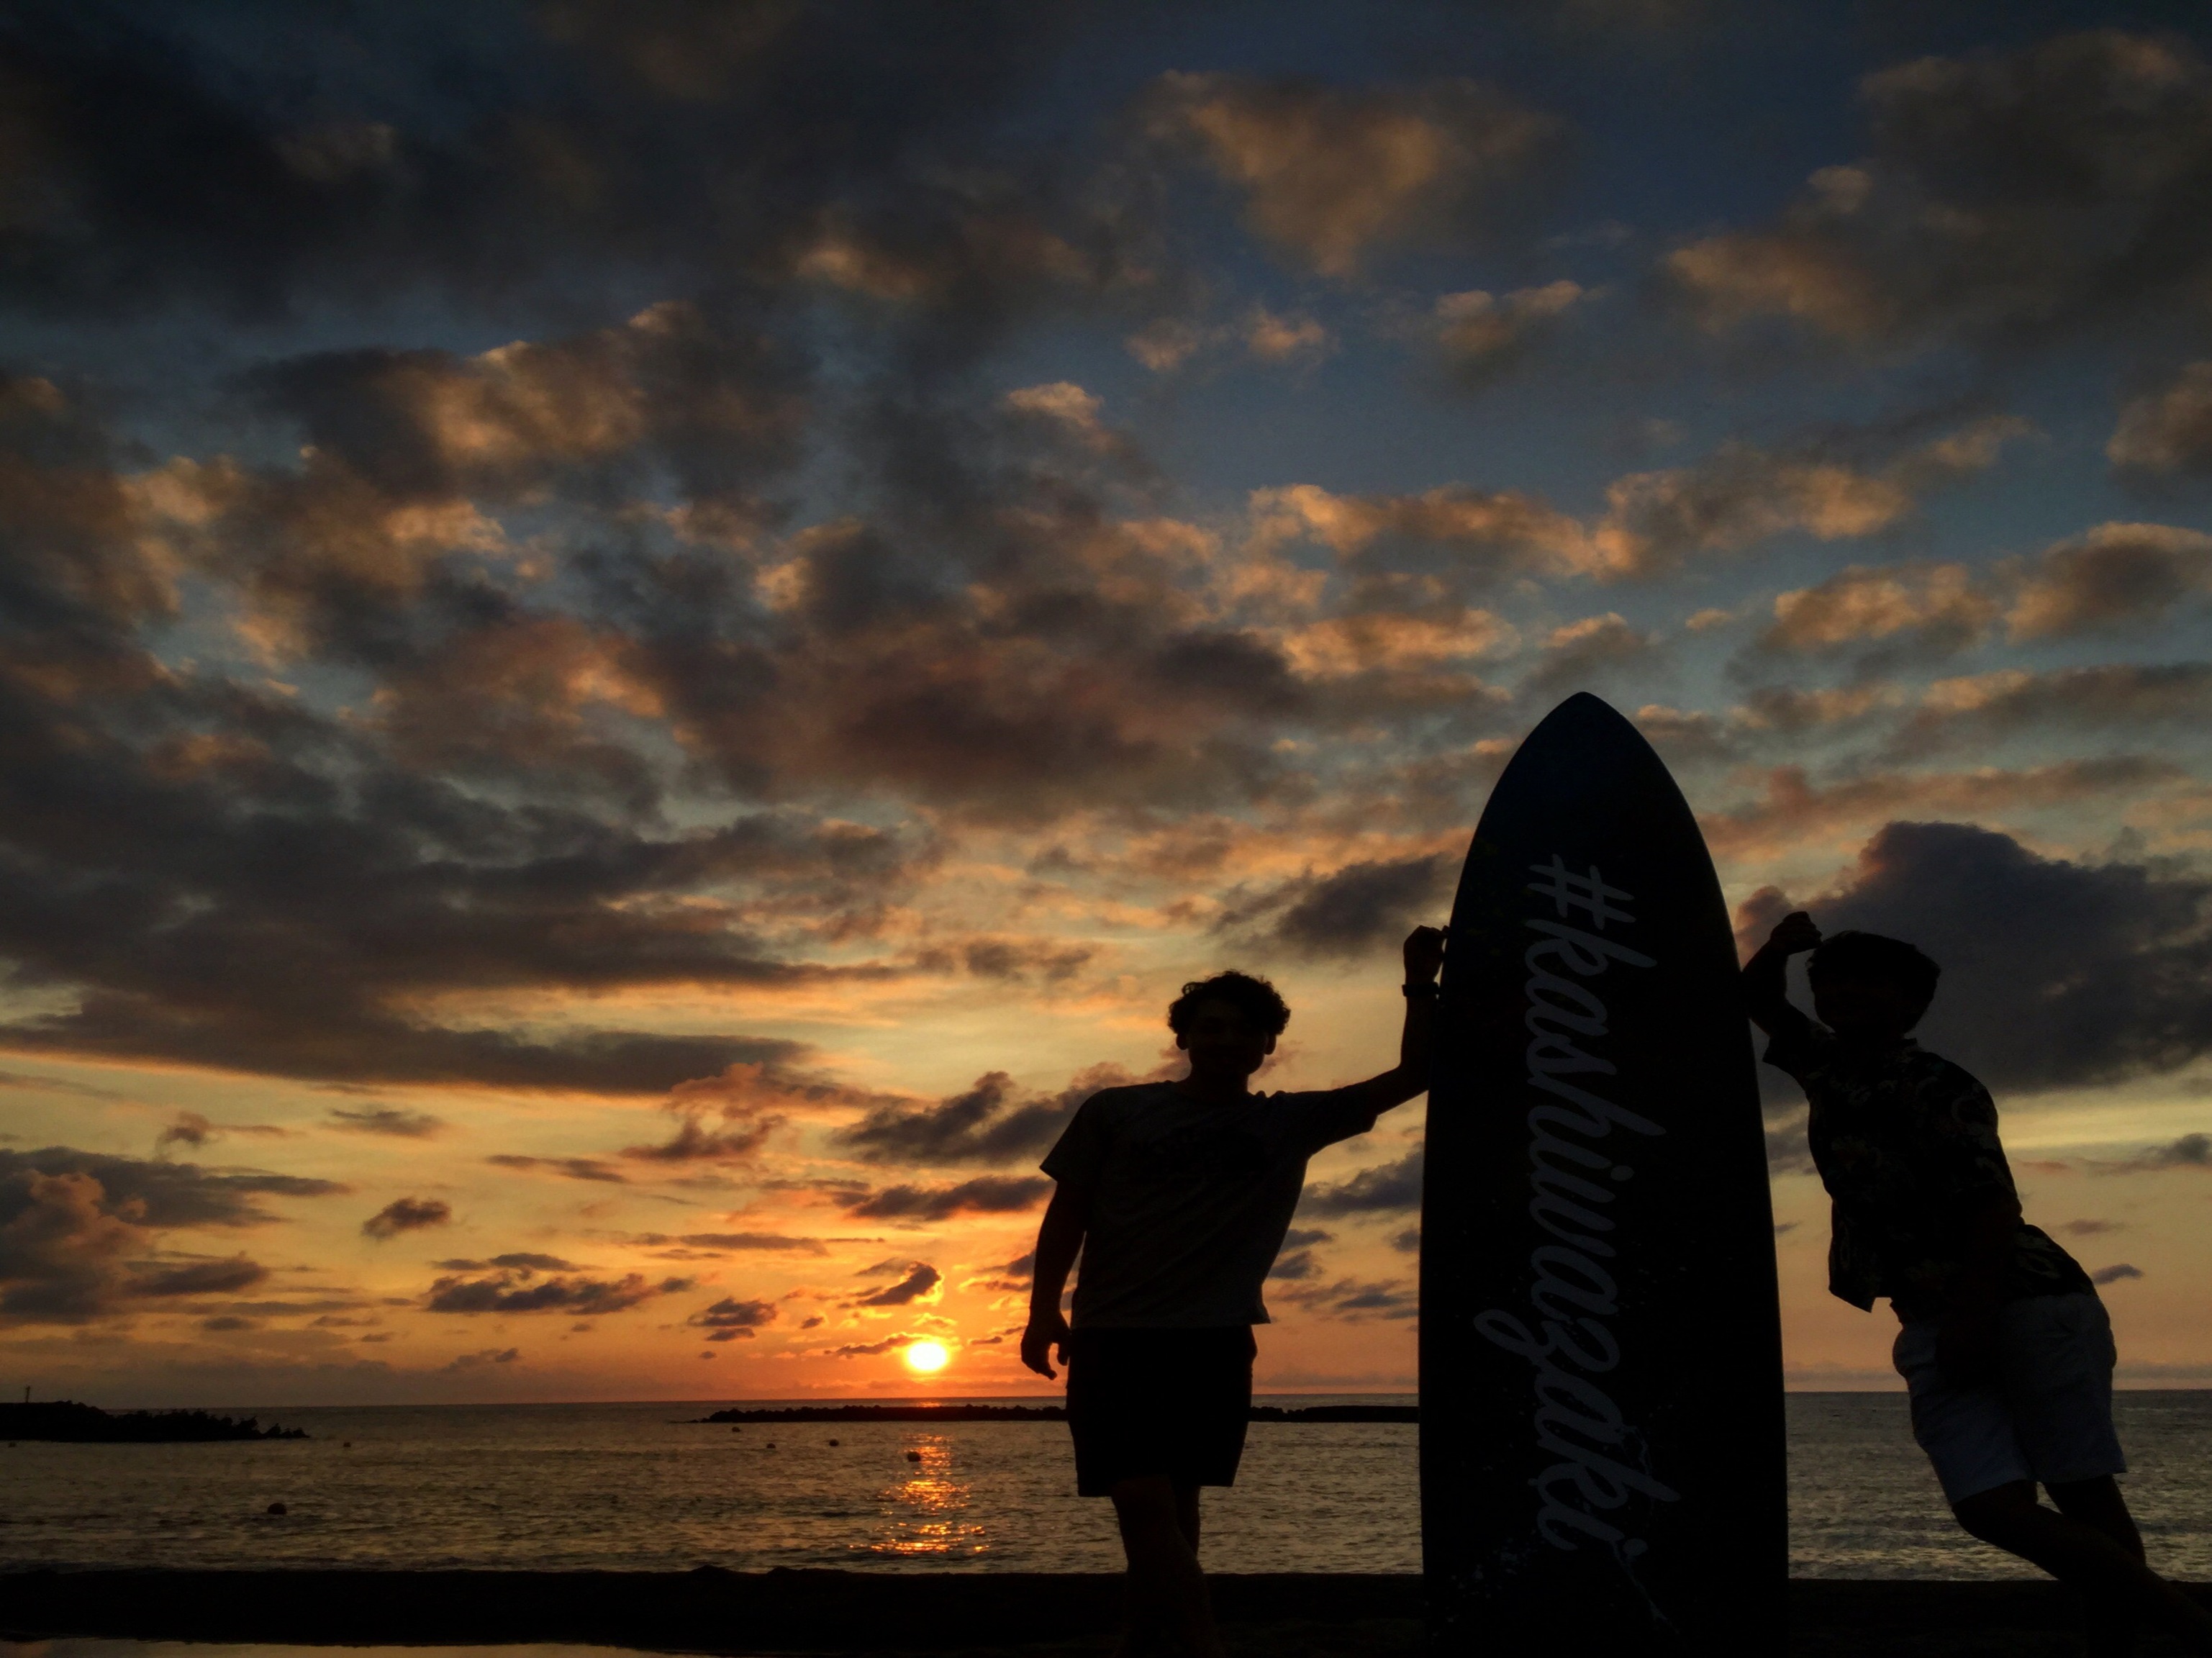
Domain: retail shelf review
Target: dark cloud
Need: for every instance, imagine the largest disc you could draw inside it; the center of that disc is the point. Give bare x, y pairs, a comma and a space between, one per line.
989, 1123
591, 1168
736, 1241
1387, 1189
407, 1215
920, 1279
535, 1262
522, 1289
1352, 911
1350, 1299
201, 1278
2006, 195
162, 1194
387, 1120
2116, 696
985, 1194
2113, 1275
1329, 175
478, 1360
2168, 430
2190, 1151
2056, 973
731, 1320
553, 149
76, 1227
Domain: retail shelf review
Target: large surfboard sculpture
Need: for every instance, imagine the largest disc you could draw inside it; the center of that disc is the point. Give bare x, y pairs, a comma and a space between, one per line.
1601, 1431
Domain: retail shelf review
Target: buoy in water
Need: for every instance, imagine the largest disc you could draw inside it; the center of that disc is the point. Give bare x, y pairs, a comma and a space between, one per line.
278, 1508
914, 1456
833, 1442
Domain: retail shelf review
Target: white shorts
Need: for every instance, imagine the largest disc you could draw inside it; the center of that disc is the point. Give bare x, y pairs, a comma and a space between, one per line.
2048, 1415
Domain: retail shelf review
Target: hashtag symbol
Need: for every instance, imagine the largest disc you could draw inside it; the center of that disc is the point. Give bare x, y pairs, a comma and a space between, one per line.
1587, 893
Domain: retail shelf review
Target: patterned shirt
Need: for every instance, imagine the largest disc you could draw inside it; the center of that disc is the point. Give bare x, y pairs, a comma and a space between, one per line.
1906, 1143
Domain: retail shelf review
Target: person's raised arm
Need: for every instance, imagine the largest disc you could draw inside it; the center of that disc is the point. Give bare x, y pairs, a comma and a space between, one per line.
1425, 959
1059, 1236
1766, 975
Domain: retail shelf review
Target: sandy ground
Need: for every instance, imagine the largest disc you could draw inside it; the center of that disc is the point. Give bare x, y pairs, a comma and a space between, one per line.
946, 1614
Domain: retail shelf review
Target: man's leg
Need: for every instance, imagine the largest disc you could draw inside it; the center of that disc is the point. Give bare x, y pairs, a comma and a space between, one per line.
1169, 1608
2085, 1555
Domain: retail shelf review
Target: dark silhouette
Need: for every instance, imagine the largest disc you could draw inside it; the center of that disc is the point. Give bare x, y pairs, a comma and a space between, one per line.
87, 1425
2003, 1343
1178, 1195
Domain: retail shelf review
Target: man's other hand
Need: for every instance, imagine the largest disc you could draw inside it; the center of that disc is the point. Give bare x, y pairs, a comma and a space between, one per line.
1795, 934
1425, 953
1047, 1333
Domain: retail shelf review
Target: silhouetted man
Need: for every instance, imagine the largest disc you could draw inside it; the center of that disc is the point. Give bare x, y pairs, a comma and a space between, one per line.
1178, 1195
2004, 1344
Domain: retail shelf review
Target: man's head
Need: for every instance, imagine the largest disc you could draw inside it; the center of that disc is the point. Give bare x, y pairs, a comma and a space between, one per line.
1228, 1023
1868, 987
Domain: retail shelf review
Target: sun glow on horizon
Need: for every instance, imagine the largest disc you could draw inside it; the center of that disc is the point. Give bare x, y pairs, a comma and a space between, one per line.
926, 1355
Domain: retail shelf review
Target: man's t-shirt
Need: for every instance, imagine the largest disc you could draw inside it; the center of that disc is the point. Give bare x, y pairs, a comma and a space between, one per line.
1906, 1143
1188, 1201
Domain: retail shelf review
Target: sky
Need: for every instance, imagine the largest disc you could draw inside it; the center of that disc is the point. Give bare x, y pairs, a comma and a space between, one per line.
641, 639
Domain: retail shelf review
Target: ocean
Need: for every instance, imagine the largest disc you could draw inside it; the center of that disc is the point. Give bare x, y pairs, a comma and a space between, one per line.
648, 1488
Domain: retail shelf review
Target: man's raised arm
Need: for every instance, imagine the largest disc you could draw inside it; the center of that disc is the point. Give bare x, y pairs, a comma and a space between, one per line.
1425, 959
1766, 975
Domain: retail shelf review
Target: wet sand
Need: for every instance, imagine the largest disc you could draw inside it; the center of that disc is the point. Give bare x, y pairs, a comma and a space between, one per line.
1291, 1615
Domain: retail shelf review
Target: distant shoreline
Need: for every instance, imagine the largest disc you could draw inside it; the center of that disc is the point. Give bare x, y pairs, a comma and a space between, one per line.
739, 1415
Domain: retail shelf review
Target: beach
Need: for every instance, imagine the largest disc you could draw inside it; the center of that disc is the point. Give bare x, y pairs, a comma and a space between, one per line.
1297, 1615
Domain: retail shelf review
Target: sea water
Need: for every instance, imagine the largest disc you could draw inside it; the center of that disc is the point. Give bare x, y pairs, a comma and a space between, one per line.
649, 1488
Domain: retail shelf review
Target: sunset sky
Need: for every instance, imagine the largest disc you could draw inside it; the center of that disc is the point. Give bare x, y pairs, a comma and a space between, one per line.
642, 638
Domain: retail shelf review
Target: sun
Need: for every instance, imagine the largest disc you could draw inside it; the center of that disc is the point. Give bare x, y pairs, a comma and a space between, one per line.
926, 1355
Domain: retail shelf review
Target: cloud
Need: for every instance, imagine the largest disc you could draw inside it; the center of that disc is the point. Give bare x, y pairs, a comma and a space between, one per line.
731, 1320
919, 1283
522, 1289
482, 1357
76, 1227
2008, 196
1351, 1300
988, 1123
201, 1278
589, 1169
1793, 812
162, 1194
2168, 431
735, 1242
1932, 610
2056, 974
530, 1259
1329, 175
1479, 335
1353, 911
2190, 1151
2116, 576
185, 1128
985, 1194
387, 1120
2115, 696
407, 1215
2113, 1275
1840, 489
1387, 1188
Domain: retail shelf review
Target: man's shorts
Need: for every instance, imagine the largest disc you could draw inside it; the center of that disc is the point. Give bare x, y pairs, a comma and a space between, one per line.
1166, 1402
2046, 1417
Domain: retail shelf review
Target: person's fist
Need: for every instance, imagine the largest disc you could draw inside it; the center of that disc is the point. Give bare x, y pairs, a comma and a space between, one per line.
1425, 953
1794, 932
1046, 1331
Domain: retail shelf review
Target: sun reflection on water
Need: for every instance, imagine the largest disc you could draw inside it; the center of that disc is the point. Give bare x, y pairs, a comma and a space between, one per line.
923, 1514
